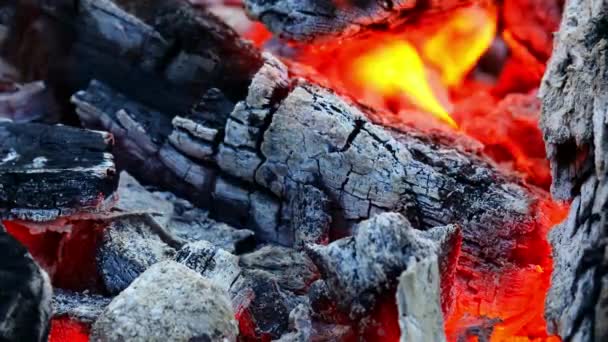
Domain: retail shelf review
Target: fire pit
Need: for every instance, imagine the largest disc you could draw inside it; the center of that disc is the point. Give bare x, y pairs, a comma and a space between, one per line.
314, 170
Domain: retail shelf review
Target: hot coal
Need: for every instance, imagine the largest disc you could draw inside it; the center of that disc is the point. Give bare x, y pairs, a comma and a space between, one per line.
52, 171
293, 270
170, 302
130, 245
212, 263
25, 294
78, 306
303, 328
358, 269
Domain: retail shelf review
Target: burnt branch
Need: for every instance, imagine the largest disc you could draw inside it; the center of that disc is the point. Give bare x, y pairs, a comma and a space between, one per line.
51, 171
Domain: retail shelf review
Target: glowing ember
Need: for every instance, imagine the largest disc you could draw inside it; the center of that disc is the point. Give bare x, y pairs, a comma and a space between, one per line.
64, 329
396, 69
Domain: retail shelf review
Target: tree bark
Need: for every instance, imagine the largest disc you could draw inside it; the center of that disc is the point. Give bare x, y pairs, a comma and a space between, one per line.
574, 122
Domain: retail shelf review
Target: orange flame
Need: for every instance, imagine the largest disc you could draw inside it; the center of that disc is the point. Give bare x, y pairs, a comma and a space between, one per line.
395, 69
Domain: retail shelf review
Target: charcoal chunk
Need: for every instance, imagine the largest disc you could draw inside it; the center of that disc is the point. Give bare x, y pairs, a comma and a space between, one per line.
212, 263
168, 302
82, 307
291, 269
358, 268
130, 245
25, 294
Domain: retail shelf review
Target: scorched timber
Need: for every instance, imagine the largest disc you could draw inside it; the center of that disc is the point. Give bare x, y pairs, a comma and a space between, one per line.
575, 126
51, 171
166, 53
307, 20
287, 138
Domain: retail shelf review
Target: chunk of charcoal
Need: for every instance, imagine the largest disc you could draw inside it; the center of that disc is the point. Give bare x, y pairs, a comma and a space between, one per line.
130, 245
259, 304
300, 322
358, 268
419, 302
168, 302
25, 294
212, 263
51, 171
292, 270
28, 102
81, 307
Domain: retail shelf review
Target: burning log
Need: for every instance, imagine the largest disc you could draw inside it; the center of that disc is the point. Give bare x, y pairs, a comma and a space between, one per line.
25, 305
574, 123
52, 171
323, 19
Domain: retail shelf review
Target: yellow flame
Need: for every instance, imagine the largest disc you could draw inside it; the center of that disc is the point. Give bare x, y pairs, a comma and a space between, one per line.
460, 42
397, 69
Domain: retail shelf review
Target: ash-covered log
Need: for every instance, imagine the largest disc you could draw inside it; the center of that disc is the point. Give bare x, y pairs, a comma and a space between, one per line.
52, 171
308, 20
284, 136
574, 122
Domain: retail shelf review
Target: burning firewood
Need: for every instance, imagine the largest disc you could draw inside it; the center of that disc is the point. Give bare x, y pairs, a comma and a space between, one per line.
323, 19
52, 171
574, 124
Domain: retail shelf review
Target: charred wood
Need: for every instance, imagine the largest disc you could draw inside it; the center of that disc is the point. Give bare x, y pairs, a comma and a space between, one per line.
574, 120
166, 53
52, 171
82, 307
324, 19
286, 137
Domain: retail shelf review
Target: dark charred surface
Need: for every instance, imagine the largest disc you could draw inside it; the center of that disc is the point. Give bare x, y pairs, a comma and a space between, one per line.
49, 171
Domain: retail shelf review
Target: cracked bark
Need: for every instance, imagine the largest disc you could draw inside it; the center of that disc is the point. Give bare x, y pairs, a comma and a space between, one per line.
575, 103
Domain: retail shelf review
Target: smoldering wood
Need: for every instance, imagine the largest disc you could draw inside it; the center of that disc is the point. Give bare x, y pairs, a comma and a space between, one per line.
82, 307
310, 20
358, 269
52, 171
285, 135
25, 301
165, 53
574, 124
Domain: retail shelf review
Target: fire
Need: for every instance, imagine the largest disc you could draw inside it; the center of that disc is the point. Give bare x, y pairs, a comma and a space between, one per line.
456, 47
396, 69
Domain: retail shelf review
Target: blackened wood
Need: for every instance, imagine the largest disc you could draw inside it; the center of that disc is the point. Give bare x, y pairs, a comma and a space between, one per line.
308, 20
284, 135
574, 122
51, 171
25, 294
165, 53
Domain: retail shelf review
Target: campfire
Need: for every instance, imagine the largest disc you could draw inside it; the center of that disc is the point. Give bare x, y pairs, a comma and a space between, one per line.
302, 170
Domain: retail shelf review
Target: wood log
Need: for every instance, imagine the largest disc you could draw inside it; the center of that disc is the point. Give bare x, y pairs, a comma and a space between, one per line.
52, 171
310, 20
164, 53
574, 122
249, 168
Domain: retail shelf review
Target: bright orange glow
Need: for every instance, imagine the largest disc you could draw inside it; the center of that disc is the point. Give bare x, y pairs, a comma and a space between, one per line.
396, 69
458, 44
